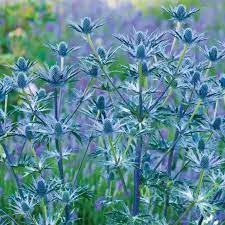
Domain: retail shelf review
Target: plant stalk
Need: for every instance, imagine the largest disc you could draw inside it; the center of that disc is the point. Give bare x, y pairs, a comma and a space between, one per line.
185, 213
5, 109
62, 59
85, 152
16, 178
137, 169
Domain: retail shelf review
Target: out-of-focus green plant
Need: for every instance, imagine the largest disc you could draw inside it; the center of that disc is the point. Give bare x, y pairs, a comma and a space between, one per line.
23, 29
153, 6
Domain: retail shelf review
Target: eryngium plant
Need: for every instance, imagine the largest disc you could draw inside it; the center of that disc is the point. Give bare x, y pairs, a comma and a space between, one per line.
158, 132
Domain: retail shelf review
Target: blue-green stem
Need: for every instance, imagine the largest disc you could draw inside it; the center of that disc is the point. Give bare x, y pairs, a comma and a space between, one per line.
5, 109
44, 210
184, 213
194, 112
171, 151
200, 182
178, 27
137, 169
85, 152
90, 83
181, 58
18, 184
170, 83
60, 88
57, 142
59, 150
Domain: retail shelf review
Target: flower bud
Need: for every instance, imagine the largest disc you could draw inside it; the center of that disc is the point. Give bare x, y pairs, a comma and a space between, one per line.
140, 38
25, 207
62, 48
101, 53
181, 11
188, 35
140, 53
86, 25
66, 197
133, 131
203, 91
146, 167
217, 123
204, 163
22, 64
41, 93
41, 187
93, 71
55, 73
101, 103
22, 80
107, 127
201, 145
111, 176
213, 54
195, 78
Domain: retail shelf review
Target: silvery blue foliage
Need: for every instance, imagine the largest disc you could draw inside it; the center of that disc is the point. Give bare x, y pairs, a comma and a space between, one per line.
62, 49
152, 126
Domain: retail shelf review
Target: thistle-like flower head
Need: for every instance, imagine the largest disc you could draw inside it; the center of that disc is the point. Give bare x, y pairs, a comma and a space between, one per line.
205, 160
41, 93
87, 26
203, 91
141, 45
180, 13
108, 126
22, 65
91, 69
42, 188
22, 80
213, 54
56, 77
188, 36
70, 196
62, 49
217, 123
195, 78
100, 103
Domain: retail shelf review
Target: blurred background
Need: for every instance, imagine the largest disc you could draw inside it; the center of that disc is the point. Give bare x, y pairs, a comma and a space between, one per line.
26, 25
